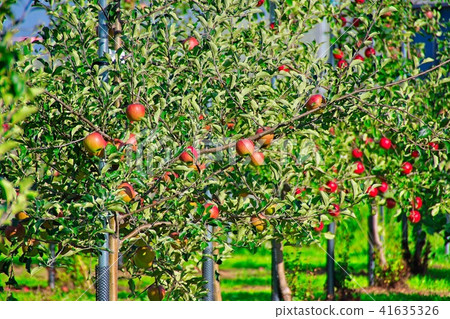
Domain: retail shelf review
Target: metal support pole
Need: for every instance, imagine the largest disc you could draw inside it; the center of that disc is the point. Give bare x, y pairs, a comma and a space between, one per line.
276, 291
102, 270
447, 238
208, 266
51, 267
404, 232
371, 264
330, 262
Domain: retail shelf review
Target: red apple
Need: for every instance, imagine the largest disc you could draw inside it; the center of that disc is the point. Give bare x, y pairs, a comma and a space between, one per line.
343, 20
359, 1
359, 168
201, 117
359, 57
94, 143
314, 102
319, 228
369, 140
186, 156
156, 293
299, 191
266, 139
192, 43
167, 176
434, 146
132, 141
135, 112
260, 3
357, 153
369, 52
332, 186
336, 211
384, 187
372, 191
429, 14
272, 26
342, 64
283, 68
127, 193
5, 127
414, 216
390, 203
356, 22
417, 203
245, 147
257, 158
338, 54
407, 168
213, 211
415, 154
17, 231
385, 143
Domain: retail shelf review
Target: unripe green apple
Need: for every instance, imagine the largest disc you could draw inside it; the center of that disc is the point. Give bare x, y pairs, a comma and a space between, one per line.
144, 257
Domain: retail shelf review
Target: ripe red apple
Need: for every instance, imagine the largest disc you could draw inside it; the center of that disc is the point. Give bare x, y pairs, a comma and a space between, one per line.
201, 117
94, 143
357, 153
369, 52
343, 20
17, 231
336, 211
338, 54
356, 23
272, 26
167, 176
186, 156
417, 203
266, 139
319, 228
191, 43
372, 191
260, 3
415, 154
127, 193
434, 146
213, 211
359, 168
342, 64
245, 147
257, 158
143, 258
369, 140
429, 14
390, 203
359, 57
332, 186
132, 141
156, 293
407, 168
414, 216
384, 187
5, 127
359, 1
135, 112
283, 68
314, 102
299, 191
385, 143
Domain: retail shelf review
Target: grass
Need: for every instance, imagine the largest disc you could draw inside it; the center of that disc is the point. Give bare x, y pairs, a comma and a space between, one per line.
247, 275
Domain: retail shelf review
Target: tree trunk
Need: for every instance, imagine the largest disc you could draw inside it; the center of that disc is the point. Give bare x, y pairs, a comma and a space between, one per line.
375, 238
284, 289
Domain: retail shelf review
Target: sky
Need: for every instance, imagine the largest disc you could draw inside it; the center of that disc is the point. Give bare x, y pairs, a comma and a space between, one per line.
33, 18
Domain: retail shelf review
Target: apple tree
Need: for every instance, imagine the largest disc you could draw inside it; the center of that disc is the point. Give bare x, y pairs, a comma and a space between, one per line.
178, 127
